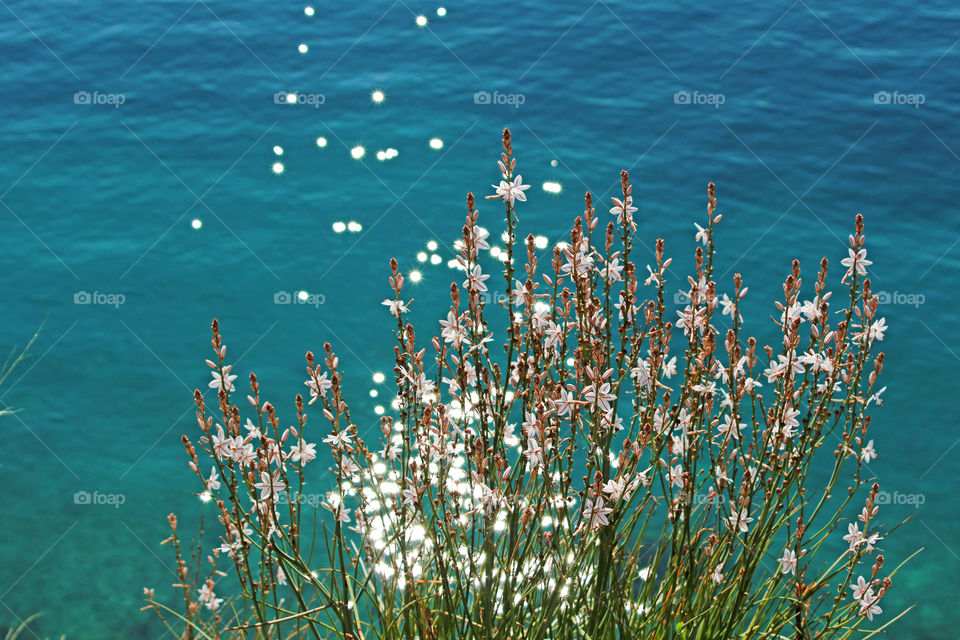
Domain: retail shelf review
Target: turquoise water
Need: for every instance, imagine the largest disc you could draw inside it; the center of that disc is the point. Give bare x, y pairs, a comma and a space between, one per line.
782, 115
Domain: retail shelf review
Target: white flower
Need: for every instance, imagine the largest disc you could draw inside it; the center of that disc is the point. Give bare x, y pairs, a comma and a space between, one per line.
623, 210
877, 330
856, 262
208, 597
595, 513
305, 451
534, 452
224, 380
213, 482
620, 488
860, 588
611, 271
477, 278
868, 605
854, 536
788, 563
318, 386
338, 440
716, 576
396, 307
480, 236
676, 475
868, 452
739, 520
269, 485
602, 397
222, 443
512, 190
702, 235
731, 426
252, 429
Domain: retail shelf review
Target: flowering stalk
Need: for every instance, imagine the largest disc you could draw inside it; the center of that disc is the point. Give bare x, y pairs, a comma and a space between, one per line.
590, 482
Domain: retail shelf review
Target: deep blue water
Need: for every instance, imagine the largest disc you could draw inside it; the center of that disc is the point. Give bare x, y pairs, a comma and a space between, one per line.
101, 199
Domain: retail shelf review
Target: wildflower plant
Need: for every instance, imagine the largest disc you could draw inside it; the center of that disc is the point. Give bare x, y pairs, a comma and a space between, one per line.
617, 471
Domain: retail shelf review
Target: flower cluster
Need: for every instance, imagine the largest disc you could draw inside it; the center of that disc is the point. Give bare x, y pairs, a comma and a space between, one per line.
591, 480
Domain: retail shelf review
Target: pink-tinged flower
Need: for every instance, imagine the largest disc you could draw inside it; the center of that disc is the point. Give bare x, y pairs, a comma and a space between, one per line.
396, 307
565, 403
716, 576
854, 536
511, 191
620, 488
595, 514
224, 380
270, 485
676, 475
213, 482
339, 440
788, 562
877, 330
623, 210
601, 396
319, 385
480, 236
611, 271
476, 278
208, 597
738, 519
222, 443
731, 426
702, 234
451, 330
304, 451
534, 452
869, 606
860, 588
856, 262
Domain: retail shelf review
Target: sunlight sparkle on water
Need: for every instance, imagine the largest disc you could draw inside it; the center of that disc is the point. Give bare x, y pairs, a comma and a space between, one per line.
278, 167
357, 152
421, 21
303, 48
377, 96
540, 242
416, 276
196, 224
435, 259
552, 187
422, 256
278, 150
432, 245
309, 11
436, 143
339, 227
354, 226
379, 377
441, 11
321, 142
302, 296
